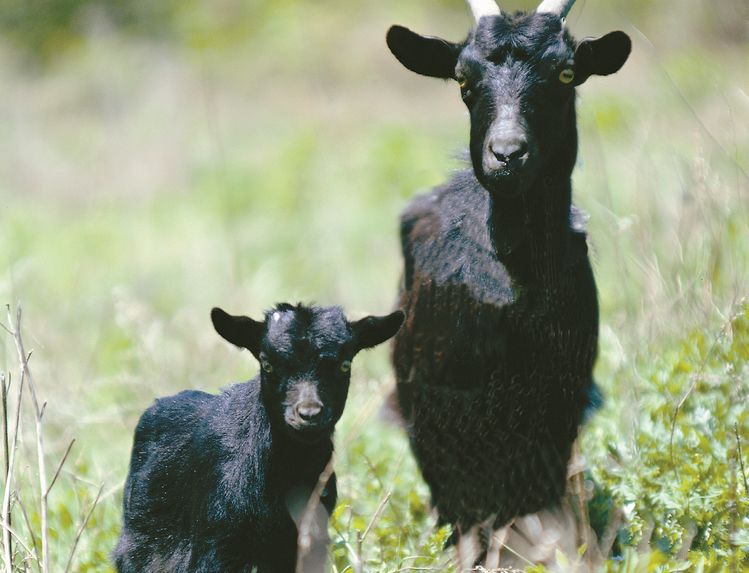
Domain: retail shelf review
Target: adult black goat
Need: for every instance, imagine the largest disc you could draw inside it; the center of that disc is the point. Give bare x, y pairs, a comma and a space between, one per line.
494, 364
217, 482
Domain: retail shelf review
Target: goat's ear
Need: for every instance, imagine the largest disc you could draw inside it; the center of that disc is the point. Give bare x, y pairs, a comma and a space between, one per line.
424, 55
241, 331
373, 330
601, 56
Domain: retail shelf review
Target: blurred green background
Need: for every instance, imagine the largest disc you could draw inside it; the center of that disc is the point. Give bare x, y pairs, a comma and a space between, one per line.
157, 159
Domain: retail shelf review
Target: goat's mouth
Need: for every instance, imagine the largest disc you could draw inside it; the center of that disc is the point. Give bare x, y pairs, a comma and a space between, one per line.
505, 183
307, 432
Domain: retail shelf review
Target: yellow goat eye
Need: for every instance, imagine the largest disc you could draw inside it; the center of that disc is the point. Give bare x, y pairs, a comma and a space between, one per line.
267, 366
345, 365
566, 76
463, 83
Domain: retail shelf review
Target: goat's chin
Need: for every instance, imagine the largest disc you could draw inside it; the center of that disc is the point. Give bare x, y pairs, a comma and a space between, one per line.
306, 434
504, 185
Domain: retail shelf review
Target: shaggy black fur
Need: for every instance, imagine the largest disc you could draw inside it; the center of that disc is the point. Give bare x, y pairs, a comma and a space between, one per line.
494, 365
215, 482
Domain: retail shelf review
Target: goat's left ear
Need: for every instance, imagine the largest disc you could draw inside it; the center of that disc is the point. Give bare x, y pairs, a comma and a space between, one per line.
241, 331
601, 56
373, 330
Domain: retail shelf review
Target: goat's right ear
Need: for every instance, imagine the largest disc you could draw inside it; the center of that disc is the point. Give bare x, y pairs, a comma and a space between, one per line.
373, 330
241, 331
425, 55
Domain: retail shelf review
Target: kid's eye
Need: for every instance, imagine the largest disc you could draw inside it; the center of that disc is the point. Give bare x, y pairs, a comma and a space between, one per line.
265, 365
345, 366
566, 75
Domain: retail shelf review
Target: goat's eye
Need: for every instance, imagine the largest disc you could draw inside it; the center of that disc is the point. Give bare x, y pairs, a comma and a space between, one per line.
345, 366
463, 83
267, 366
566, 75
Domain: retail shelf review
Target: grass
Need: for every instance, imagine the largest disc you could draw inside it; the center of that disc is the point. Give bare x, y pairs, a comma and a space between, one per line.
144, 182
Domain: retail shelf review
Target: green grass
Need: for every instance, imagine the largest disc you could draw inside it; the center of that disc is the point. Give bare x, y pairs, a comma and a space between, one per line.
144, 182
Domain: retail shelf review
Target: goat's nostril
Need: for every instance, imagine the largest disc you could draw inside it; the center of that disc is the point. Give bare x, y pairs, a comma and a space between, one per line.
518, 153
308, 411
509, 151
501, 157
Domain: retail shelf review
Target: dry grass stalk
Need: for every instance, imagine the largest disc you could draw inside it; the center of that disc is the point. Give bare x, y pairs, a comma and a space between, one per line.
10, 467
23, 360
11, 449
7, 547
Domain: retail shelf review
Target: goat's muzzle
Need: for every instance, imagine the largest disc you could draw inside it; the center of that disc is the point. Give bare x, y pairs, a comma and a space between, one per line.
506, 155
506, 150
305, 415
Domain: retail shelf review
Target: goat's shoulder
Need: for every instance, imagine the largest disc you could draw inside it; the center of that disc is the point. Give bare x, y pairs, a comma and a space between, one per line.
240, 426
445, 240
433, 214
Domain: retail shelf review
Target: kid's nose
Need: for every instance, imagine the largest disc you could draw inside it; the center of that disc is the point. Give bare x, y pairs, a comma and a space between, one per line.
309, 410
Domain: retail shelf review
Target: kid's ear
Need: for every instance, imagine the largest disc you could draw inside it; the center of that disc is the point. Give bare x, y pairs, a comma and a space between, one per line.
601, 56
373, 330
424, 55
241, 331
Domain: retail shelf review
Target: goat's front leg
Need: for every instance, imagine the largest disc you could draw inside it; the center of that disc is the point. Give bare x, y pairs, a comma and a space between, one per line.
310, 509
468, 548
313, 557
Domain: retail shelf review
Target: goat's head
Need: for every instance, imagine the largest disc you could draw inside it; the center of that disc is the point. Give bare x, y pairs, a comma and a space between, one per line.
305, 355
517, 75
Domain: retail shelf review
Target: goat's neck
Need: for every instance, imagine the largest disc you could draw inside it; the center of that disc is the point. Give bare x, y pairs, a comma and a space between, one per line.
294, 464
286, 452
530, 232
290, 449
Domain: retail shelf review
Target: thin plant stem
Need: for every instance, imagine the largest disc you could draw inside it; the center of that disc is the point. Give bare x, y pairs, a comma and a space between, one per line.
741, 458
59, 466
34, 544
81, 530
6, 514
7, 543
23, 359
305, 523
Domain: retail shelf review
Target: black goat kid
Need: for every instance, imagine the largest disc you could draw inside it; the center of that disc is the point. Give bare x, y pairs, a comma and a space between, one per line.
217, 481
494, 365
